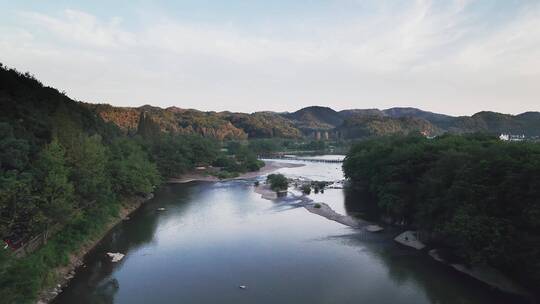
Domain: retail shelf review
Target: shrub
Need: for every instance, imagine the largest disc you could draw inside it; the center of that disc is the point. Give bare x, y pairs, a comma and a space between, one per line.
306, 189
278, 182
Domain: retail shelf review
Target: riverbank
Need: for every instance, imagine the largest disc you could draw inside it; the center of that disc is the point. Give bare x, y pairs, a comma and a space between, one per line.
324, 210
320, 209
269, 166
486, 275
63, 274
266, 192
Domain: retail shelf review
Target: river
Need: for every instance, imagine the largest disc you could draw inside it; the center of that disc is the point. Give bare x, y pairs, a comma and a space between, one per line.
214, 237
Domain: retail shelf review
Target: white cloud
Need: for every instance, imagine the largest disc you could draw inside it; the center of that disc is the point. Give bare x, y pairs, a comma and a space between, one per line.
445, 59
82, 28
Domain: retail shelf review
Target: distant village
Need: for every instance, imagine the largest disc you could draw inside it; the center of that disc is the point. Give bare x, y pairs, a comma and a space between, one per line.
514, 137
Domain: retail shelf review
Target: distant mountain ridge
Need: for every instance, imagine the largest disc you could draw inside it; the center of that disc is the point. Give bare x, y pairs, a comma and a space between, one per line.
314, 121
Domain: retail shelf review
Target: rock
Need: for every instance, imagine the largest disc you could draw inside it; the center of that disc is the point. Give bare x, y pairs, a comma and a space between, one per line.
116, 256
435, 254
408, 238
374, 228
242, 286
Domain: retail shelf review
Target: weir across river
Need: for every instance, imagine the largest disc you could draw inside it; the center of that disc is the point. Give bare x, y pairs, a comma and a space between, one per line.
307, 159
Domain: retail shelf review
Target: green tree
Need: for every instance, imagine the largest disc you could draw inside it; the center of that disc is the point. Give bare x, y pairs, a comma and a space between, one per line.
130, 168
16, 200
89, 160
55, 203
278, 182
475, 195
13, 151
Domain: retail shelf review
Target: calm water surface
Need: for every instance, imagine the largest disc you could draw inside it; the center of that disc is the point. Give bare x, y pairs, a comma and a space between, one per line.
214, 237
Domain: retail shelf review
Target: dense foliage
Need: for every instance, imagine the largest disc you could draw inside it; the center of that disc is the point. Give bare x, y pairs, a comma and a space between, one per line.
238, 159
64, 172
476, 195
278, 182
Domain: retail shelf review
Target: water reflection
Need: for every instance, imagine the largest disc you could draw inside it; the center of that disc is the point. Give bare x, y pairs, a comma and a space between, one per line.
213, 237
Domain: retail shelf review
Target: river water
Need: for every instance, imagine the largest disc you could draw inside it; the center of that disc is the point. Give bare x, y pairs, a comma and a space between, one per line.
214, 237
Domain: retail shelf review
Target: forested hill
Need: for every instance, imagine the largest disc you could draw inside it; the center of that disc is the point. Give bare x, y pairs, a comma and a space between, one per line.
35, 112
314, 121
475, 196
65, 172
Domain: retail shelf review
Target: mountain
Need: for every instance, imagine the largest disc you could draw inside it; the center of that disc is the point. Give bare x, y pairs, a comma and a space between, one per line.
37, 113
361, 112
359, 126
313, 121
263, 124
171, 120
440, 120
43, 110
315, 118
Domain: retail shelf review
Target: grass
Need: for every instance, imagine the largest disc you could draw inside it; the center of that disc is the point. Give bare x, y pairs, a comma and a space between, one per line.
21, 279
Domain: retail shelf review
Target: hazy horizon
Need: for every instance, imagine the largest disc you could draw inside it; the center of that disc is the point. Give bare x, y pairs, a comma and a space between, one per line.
456, 58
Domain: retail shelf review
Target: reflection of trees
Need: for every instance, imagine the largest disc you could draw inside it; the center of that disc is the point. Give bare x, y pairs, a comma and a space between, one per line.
360, 203
95, 284
440, 283
106, 291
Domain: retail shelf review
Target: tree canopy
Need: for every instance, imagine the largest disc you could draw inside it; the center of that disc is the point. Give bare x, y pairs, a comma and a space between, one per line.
475, 194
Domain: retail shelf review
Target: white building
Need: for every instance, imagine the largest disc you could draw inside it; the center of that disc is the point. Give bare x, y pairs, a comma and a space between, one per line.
512, 137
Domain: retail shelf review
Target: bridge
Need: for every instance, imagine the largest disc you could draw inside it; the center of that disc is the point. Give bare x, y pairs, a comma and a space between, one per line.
307, 159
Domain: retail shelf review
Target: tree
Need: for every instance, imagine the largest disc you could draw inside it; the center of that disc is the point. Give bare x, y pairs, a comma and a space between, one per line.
89, 159
16, 201
475, 195
55, 203
278, 182
13, 151
306, 189
130, 168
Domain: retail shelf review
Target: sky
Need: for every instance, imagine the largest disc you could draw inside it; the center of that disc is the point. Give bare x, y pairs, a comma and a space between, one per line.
455, 57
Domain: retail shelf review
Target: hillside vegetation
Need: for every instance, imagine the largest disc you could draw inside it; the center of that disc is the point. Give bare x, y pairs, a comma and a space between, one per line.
65, 171
474, 195
307, 122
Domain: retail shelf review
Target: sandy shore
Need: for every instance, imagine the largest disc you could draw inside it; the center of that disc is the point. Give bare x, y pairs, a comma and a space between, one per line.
266, 192
269, 166
320, 209
324, 210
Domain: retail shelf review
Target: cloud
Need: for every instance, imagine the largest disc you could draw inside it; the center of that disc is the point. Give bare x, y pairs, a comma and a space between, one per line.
81, 28
445, 57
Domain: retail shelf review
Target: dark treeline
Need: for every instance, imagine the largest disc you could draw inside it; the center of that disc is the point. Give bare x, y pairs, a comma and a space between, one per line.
267, 146
65, 173
475, 195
